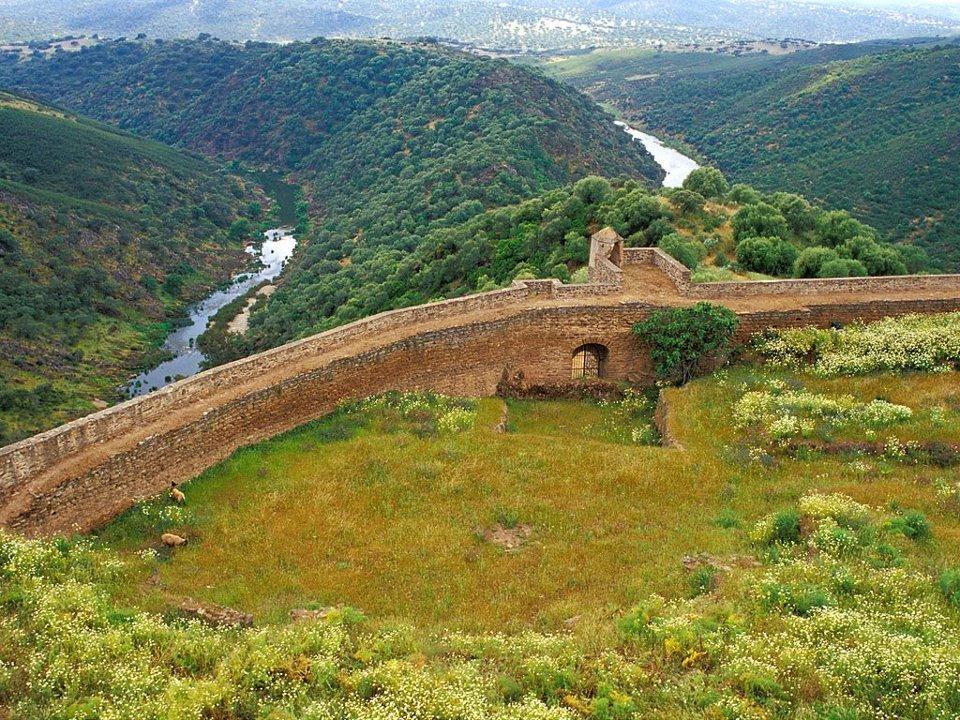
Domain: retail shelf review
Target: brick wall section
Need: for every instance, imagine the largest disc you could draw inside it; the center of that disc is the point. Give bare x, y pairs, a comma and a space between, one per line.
82, 474
820, 286
34, 454
672, 268
467, 359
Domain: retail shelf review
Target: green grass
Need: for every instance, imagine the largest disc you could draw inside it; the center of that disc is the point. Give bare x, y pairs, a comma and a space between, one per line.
810, 591
367, 513
386, 515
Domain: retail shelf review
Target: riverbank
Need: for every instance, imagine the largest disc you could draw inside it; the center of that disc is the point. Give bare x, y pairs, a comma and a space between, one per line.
187, 358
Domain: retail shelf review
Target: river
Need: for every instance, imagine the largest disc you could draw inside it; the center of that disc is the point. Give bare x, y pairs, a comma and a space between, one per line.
674, 163
276, 249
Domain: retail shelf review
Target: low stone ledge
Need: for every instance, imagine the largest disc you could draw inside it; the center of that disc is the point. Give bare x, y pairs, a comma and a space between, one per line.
825, 286
661, 420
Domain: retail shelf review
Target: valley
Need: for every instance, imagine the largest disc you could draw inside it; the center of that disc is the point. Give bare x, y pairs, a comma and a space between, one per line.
676, 166
105, 239
866, 127
524, 360
274, 250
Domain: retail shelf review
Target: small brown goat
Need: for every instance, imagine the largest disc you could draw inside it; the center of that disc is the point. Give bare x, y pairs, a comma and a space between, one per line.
171, 540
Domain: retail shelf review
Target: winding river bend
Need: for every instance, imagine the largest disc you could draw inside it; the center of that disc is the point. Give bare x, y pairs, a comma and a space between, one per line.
276, 249
676, 165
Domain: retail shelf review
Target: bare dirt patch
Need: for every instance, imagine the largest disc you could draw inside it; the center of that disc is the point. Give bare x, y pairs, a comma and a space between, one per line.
241, 322
508, 538
706, 560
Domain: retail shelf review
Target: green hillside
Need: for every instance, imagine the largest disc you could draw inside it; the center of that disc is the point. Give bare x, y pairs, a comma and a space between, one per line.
733, 234
391, 141
104, 238
871, 128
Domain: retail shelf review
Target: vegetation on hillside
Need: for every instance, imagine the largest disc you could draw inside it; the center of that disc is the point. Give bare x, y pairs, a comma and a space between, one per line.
520, 24
392, 142
756, 573
549, 236
103, 237
409, 155
869, 128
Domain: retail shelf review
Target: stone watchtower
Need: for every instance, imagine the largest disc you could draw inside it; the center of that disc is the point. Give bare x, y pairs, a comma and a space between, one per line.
606, 255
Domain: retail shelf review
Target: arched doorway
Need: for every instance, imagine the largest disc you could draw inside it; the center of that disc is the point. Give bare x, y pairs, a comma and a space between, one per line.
589, 361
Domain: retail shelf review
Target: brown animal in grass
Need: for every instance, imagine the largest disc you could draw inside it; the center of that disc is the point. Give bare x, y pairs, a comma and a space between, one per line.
171, 540
176, 495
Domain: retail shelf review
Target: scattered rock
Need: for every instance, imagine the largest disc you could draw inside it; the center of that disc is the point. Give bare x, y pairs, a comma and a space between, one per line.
303, 614
171, 540
100, 404
572, 622
700, 560
507, 538
216, 615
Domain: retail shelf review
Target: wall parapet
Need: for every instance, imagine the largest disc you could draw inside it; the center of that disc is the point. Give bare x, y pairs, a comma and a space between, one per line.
820, 286
738, 289
669, 265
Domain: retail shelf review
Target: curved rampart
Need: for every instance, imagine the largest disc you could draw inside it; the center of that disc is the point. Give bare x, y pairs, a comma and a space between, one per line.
79, 475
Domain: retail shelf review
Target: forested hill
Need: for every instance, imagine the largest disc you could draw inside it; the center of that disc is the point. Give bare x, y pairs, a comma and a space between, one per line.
289, 104
391, 141
103, 237
872, 128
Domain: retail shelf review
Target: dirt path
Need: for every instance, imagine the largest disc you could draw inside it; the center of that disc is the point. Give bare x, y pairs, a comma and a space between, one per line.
241, 322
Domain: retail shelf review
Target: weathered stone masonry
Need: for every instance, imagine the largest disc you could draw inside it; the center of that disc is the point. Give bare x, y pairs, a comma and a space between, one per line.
82, 474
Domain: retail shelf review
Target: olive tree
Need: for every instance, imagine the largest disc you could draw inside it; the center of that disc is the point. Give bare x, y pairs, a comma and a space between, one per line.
708, 182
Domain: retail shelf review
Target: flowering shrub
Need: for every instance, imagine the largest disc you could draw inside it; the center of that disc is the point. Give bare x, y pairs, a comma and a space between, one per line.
781, 414
428, 412
455, 420
631, 417
66, 651
929, 343
828, 623
837, 507
948, 495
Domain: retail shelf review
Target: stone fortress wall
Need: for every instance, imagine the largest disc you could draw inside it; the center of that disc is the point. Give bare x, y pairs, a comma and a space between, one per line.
80, 475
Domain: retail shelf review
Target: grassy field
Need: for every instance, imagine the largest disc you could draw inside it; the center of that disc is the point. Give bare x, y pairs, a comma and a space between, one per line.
791, 556
369, 509
358, 509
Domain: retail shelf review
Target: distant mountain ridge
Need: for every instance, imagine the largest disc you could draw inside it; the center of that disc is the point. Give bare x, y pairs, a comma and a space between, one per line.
516, 25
